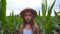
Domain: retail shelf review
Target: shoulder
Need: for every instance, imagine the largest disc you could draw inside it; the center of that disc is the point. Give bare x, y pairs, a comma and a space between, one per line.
37, 29
19, 29
36, 25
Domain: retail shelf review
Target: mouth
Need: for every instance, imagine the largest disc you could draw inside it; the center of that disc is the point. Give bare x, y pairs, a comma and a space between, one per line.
28, 21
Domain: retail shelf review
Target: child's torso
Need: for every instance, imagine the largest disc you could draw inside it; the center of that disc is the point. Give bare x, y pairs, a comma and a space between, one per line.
27, 30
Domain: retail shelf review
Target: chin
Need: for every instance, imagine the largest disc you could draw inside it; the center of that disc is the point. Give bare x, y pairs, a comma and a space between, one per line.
28, 21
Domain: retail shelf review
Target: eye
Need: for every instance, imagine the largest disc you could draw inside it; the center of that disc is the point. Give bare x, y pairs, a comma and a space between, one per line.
30, 15
25, 15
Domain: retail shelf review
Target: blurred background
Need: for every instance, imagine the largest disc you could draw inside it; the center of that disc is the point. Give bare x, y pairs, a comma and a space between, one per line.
48, 15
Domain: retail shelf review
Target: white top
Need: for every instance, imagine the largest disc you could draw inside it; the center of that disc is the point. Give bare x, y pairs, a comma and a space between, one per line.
26, 31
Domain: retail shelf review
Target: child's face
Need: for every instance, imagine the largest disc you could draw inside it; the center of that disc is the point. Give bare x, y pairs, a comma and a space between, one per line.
28, 16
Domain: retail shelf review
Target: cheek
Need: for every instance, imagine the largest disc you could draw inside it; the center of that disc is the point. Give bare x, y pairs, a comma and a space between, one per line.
30, 17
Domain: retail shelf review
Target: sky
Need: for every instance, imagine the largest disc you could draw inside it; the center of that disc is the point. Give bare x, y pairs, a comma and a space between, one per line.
18, 5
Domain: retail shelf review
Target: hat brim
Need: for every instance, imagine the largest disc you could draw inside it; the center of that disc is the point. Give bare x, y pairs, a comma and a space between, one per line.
28, 10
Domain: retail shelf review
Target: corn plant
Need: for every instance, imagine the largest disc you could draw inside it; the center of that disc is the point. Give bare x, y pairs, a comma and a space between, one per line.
56, 20
44, 22
3, 15
13, 23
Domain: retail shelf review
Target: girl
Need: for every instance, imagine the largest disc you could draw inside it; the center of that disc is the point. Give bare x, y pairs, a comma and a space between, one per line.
28, 26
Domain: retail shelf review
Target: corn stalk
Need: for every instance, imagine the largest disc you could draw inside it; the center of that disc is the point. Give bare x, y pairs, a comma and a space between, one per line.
3, 15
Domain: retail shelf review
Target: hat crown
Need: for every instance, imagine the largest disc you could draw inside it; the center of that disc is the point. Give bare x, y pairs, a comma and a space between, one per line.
29, 10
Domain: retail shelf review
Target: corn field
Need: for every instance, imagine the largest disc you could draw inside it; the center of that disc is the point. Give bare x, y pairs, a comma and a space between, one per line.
47, 24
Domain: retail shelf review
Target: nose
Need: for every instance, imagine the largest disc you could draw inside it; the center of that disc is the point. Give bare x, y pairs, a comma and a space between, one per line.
27, 16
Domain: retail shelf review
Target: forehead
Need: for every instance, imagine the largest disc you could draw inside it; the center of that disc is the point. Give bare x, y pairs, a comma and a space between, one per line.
28, 13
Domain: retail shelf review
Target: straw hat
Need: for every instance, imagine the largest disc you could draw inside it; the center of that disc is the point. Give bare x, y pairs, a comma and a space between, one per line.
28, 10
